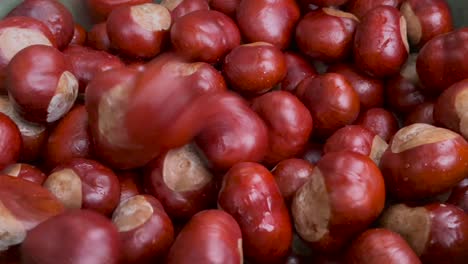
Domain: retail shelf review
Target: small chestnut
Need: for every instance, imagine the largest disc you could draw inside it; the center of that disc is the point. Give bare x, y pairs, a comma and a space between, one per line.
298, 69
360, 7
26, 172
130, 184
227, 7
180, 8
10, 141
423, 113
380, 121
79, 35
100, 9
459, 195
97, 37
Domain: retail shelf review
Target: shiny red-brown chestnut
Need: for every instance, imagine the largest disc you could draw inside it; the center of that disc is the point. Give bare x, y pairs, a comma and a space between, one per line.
254, 76
81, 183
227, 7
298, 69
360, 7
423, 113
23, 205
380, 245
46, 100
53, 14
459, 195
79, 35
268, 21
436, 232
10, 141
423, 161
380, 121
210, 236
357, 139
26, 172
85, 63
69, 139
331, 100
33, 135
204, 35
380, 42
451, 108
97, 37
181, 181
345, 194
249, 193
130, 184
180, 8
441, 62
139, 31
143, 214
426, 19
325, 2
289, 124
75, 237
326, 34
370, 90
290, 175
100, 9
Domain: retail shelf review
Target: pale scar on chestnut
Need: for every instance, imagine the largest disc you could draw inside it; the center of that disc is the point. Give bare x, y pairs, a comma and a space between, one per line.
419, 134
152, 17
132, 213
67, 187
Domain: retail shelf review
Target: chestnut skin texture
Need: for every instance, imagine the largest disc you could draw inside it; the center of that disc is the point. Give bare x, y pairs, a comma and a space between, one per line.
271, 21
370, 90
402, 95
99, 186
380, 42
423, 113
331, 100
290, 175
100, 9
380, 246
254, 68
345, 194
204, 35
227, 7
130, 184
289, 124
423, 161
86, 63
79, 35
26, 172
426, 19
211, 236
74, 237
450, 109
441, 62
143, 214
139, 31
459, 195
437, 232
360, 7
53, 14
10, 141
298, 69
69, 139
180, 8
50, 98
97, 37
249, 193
326, 34
380, 121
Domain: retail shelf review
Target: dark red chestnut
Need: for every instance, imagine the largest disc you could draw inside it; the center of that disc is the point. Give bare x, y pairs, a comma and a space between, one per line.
290, 175
86, 63
441, 62
50, 98
369, 90
357, 139
211, 236
459, 195
79, 35
423, 161
180, 8
298, 69
26, 172
97, 37
100, 9
380, 121
130, 184
360, 7
249, 193
228, 7
326, 34
69, 139
325, 2
451, 108
268, 21
181, 181
140, 30
204, 35
74, 237
254, 76
344, 195
423, 113
426, 19
289, 124
10, 141
86, 184
53, 14
380, 245
380, 43
143, 214
438, 233
331, 100
23, 205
